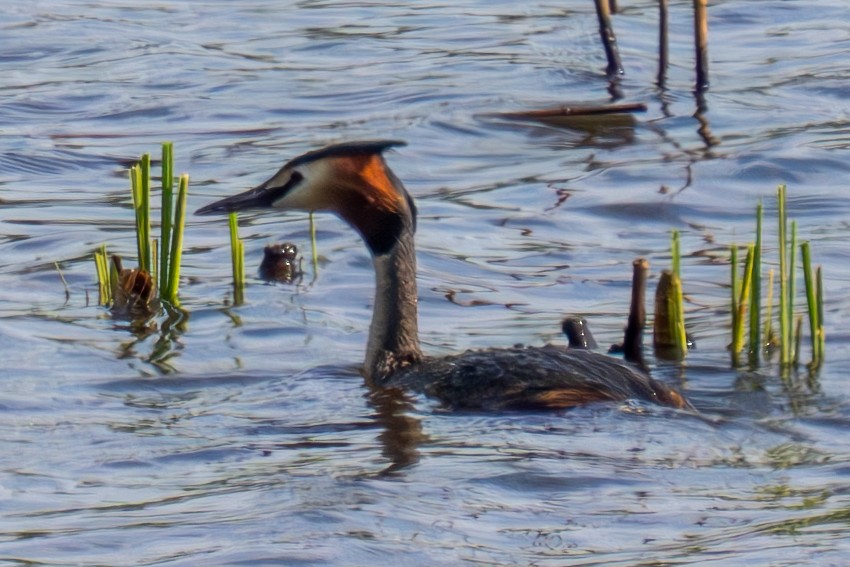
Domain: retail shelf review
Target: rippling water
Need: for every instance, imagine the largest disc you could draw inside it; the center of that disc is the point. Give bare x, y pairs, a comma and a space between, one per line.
244, 435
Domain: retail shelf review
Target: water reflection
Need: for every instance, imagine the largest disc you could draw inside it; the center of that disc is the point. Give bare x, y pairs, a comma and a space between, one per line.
402, 433
165, 326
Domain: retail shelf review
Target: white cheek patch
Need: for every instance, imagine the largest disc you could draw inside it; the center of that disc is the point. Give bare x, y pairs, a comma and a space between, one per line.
310, 193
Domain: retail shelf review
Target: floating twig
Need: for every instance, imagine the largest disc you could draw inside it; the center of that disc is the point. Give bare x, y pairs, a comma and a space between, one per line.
575, 110
64, 283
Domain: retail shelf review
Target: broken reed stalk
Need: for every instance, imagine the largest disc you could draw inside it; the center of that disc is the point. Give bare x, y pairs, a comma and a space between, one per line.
237, 259
633, 339
609, 40
701, 43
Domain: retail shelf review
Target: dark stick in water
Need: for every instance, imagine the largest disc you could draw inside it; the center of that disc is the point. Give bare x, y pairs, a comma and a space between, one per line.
663, 52
701, 40
633, 339
609, 40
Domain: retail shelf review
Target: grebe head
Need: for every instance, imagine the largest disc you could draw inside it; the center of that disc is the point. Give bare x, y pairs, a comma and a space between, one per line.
349, 179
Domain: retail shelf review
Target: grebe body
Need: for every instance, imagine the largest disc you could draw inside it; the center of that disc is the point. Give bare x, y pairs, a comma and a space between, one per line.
354, 181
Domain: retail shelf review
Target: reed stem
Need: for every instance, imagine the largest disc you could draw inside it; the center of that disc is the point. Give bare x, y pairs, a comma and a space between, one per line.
755, 294
735, 286
768, 320
798, 339
743, 302
176, 254
678, 310
237, 259
784, 312
812, 301
104, 281
145, 261
314, 247
821, 330
167, 214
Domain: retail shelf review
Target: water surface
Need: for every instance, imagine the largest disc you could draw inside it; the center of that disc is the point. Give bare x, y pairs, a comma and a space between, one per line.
244, 435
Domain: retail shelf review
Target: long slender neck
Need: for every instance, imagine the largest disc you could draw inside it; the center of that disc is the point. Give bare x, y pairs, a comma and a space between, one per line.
393, 335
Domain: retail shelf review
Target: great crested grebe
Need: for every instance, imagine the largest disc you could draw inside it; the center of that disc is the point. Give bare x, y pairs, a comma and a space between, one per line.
354, 181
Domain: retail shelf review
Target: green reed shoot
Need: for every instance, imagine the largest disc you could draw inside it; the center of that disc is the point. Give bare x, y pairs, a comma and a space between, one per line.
789, 327
104, 276
166, 216
798, 340
140, 186
162, 257
237, 259
174, 256
313, 246
819, 311
735, 288
755, 293
785, 314
669, 325
769, 338
742, 301
814, 299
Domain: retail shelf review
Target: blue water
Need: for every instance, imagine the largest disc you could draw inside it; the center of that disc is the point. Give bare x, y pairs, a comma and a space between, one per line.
244, 434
